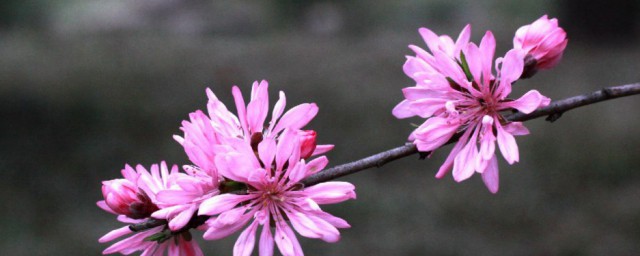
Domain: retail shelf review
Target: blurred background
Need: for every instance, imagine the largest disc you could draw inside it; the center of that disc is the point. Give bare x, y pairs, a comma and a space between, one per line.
87, 86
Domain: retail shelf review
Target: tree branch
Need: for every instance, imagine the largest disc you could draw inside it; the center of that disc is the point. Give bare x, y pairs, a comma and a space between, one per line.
553, 112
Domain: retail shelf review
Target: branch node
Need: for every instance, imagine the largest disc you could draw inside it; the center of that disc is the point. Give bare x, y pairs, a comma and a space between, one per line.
608, 92
554, 117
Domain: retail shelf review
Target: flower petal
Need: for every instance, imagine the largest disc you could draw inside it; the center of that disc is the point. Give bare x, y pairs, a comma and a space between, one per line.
266, 241
403, 110
434, 133
331, 192
529, 102
297, 117
490, 175
507, 145
221, 203
246, 241
115, 234
464, 164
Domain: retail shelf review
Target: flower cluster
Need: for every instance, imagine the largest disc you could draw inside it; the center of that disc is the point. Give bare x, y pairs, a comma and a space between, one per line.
243, 170
248, 172
134, 199
458, 93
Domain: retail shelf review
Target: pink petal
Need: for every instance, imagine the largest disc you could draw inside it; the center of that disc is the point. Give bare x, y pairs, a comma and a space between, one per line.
240, 106
507, 145
403, 110
463, 39
288, 142
221, 203
450, 68
427, 107
490, 175
297, 117
435, 132
166, 213
321, 149
172, 196
511, 70
464, 164
267, 151
516, 129
278, 109
329, 233
246, 241
474, 59
235, 166
487, 141
331, 192
103, 205
297, 172
286, 240
414, 66
256, 114
422, 54
432, 40
487, 49
182, 218
303, 225
333, 220
133, 243
448, 163
266, 241
418, 93
317, 165
226, 223
528, 102
115, 234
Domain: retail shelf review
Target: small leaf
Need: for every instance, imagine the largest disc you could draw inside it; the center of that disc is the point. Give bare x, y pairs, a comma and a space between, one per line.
465, 67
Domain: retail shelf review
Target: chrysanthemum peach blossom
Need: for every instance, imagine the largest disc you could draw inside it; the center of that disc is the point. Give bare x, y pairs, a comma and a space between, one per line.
146, 186
458, 93
543, 42
181, 200
274, 197
204, 134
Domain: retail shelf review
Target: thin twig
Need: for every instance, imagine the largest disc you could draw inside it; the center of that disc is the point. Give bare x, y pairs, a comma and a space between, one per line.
553, 112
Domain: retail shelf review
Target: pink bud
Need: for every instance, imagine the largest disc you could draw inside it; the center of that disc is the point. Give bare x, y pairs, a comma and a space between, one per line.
543, 41
307, 143
124, 197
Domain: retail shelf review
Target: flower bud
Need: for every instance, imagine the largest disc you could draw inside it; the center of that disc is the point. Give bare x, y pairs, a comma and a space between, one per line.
124, 197
543, 41
307, 143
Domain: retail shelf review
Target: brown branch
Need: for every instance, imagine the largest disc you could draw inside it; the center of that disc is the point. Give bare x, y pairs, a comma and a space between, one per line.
553, 112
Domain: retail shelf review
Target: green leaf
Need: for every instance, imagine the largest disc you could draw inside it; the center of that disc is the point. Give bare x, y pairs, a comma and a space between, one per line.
465, 67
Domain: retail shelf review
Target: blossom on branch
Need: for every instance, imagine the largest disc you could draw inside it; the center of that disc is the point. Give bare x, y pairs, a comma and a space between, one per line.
272, 171
543, 42
145, 185
205, 135
457, 92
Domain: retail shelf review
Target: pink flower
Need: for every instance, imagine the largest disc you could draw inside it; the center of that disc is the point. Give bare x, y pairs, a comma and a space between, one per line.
176, 245
144, 184
307, 144
460, 94
123, 197
274, 197
181, 200
543, 42
204, 135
